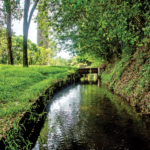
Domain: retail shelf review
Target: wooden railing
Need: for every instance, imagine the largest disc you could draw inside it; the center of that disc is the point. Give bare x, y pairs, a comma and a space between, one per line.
88, 70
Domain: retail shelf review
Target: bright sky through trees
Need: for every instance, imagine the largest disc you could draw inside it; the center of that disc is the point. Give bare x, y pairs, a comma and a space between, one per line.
18, 29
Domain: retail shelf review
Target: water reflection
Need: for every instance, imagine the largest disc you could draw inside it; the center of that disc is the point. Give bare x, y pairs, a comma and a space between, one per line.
86, 117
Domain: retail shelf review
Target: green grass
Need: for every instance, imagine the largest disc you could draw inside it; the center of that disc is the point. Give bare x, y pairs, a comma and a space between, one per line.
20, 86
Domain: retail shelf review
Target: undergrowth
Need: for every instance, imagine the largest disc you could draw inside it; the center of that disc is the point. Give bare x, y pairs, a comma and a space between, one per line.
135, 82
15, 139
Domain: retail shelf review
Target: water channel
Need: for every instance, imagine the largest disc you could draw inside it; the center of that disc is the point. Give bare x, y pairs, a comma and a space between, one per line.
89, 117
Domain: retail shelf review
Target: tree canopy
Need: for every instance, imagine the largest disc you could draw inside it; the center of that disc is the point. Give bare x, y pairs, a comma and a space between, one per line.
102, 28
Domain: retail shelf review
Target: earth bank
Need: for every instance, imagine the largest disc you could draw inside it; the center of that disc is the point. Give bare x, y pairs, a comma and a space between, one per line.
130, 78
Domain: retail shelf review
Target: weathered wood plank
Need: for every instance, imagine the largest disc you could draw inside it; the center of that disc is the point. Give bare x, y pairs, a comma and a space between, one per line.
87, 70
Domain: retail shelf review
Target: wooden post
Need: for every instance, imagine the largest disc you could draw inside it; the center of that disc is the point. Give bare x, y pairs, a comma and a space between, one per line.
98, 71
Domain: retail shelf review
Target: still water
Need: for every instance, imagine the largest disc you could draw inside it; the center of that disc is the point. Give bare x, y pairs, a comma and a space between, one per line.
89, 117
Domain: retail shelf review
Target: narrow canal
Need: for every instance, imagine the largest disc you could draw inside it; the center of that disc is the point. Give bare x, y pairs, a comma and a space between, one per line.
89, 117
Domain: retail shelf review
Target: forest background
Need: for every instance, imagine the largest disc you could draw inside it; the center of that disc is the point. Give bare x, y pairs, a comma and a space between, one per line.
98, 30
12, 44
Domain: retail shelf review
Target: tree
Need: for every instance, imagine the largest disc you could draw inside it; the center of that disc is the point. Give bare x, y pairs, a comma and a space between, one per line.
11, 7
2, 15
104, 28
9, 33
45, 56
36, 55
26, 24
3, 46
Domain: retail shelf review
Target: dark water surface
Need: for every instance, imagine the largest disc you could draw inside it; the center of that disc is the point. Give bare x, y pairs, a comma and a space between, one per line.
89, 117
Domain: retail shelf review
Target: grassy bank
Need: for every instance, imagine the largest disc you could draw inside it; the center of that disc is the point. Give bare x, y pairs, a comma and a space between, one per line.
19, 87
130, 78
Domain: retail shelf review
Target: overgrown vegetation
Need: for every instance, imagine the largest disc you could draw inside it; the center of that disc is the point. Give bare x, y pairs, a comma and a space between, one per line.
102, 29
130, 78
15, 139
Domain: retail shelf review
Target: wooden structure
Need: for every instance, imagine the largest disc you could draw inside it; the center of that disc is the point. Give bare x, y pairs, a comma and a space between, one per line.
87, 70
102, 68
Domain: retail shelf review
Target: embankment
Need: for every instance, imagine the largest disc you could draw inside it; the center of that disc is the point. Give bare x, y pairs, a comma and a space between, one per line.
20, 132
130, 78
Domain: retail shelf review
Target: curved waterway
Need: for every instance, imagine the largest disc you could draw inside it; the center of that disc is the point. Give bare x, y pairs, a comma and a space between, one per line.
89, 117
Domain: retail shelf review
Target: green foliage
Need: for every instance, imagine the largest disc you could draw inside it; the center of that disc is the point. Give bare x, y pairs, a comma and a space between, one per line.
15, 139
144, 76
100, 28
113, 72
20, 85
16, 10
36, 55
3, 46
43, 56
73, 61
130, 86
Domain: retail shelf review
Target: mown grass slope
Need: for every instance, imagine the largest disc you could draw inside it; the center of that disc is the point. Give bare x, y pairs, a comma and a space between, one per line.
20, 86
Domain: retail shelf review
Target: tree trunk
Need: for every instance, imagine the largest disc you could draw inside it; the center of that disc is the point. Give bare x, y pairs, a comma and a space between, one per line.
9, 36
25, 54
25, 33
26, 24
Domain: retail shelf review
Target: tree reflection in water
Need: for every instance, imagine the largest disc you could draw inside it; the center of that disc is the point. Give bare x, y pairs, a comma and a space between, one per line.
91, 117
